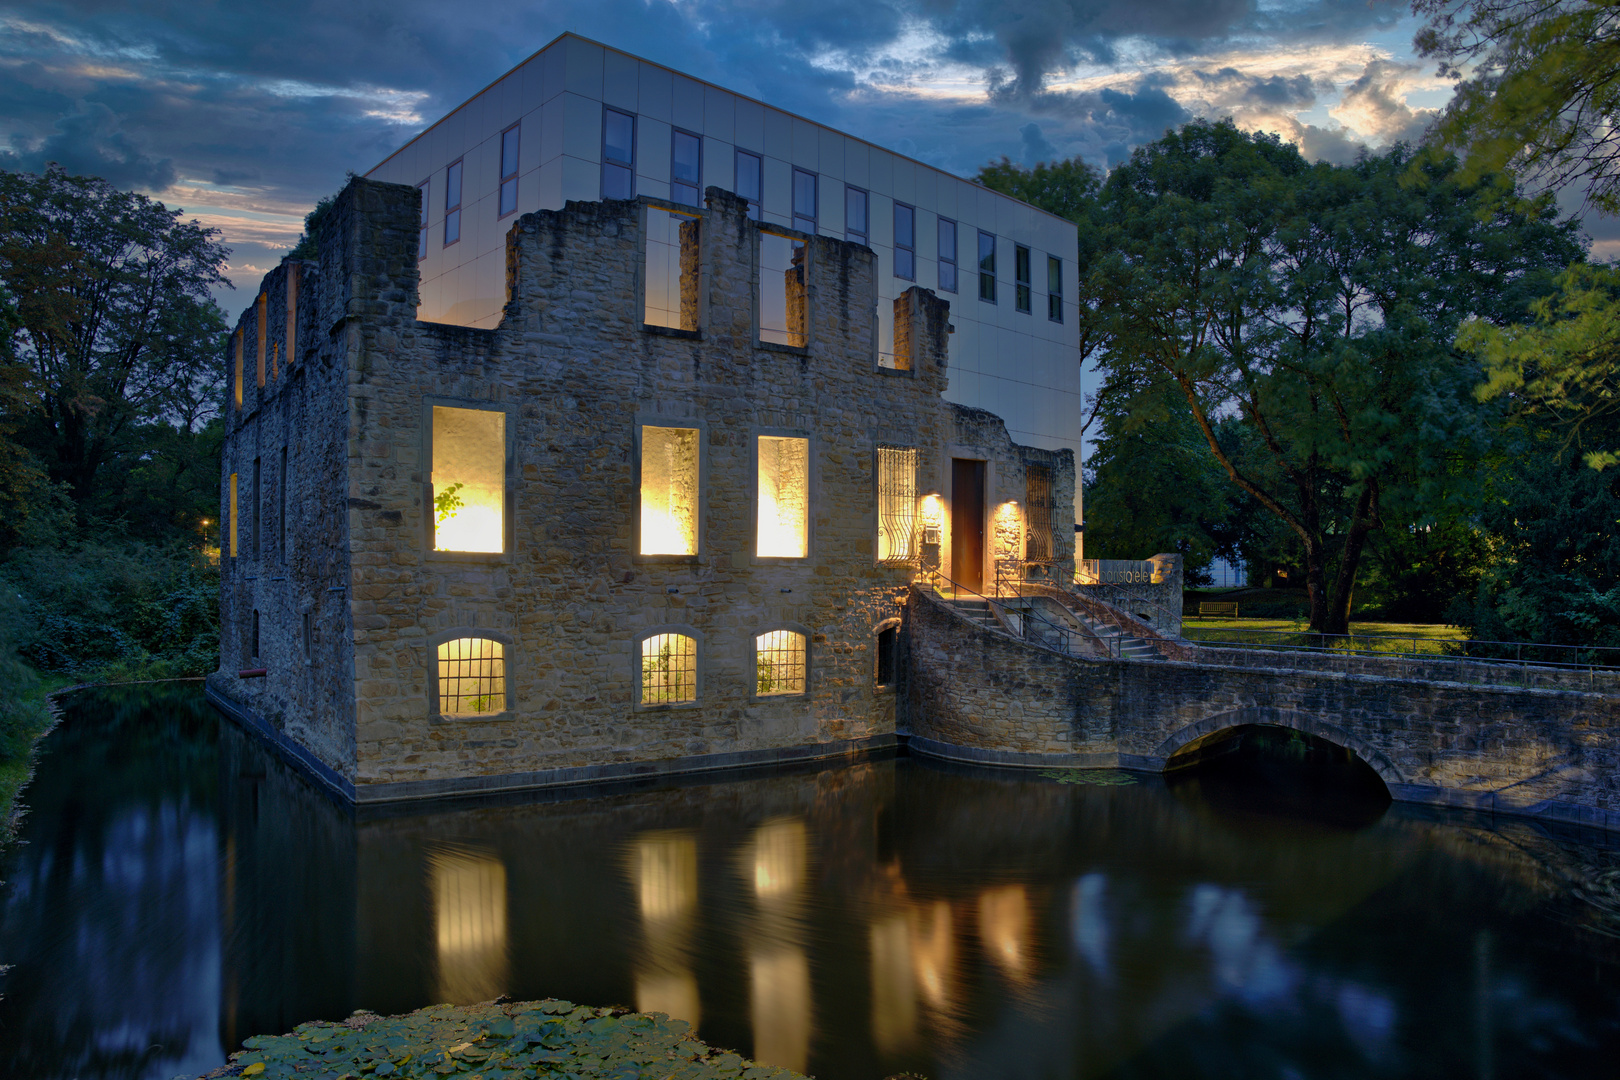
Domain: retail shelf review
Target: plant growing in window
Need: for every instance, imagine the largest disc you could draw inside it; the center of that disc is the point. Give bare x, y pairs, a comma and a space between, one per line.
469, 479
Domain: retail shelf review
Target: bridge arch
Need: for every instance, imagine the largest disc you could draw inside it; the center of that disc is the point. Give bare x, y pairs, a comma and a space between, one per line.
1202, 731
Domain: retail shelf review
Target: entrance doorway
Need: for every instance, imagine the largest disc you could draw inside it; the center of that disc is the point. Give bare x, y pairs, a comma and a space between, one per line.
967, 523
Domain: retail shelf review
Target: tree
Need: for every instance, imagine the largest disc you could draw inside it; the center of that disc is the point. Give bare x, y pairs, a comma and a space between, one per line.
1315, 307
115, 328
1542, 95
308, 240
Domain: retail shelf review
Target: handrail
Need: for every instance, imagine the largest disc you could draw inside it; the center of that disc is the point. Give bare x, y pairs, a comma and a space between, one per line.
1170, 617
934, 576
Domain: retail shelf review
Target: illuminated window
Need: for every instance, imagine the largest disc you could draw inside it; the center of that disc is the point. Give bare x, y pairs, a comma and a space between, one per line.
855, 215
469, 479
422, 226
784, 497
805, 201
452, 203
1054, 288
618, 155
275, 361
987, 267
509, 170
779, 663
669, 491
471, 677
685, 167
233, 515
905, 242
897, 503
668, 669
783, 306
240, 366
672, 269
1021, 272
260, 309
748, 181
947, 255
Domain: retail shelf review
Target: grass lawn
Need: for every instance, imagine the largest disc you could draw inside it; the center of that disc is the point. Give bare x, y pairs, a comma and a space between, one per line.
1407, 638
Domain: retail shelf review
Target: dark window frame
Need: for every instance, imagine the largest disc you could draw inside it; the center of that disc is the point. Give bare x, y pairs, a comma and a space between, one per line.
509, 180
422, 228
1023, 279
807, 222
696, 185
615, 163
955, 251
452, 213
861, 236
987, 268
906, 268
756, 205
1054, 289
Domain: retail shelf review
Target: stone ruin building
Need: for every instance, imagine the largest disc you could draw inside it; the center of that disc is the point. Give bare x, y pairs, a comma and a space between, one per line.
662, 518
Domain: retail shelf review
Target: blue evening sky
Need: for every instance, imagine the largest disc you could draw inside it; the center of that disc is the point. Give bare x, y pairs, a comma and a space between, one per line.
244, 114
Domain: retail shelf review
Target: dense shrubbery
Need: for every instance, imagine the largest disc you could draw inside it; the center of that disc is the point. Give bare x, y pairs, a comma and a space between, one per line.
21, 713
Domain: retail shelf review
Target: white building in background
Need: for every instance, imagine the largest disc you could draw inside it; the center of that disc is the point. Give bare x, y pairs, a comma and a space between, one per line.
581, 121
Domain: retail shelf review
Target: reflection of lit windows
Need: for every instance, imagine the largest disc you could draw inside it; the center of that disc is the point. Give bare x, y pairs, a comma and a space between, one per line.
783, 305
469, 910
897, 503
685, 167
668, 669
779, 858
664, 872
779, 663
1004, 927
618, 155
509, 170
671, 279
931, 950
669, 491
894, 993
452, 203
784, 497
780, 1005
471, 677
469, 479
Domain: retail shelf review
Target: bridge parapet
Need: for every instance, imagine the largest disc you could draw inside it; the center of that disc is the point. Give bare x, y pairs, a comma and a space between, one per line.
1468, 671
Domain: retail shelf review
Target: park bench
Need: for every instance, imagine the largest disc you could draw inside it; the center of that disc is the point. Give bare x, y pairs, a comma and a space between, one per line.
1221, 609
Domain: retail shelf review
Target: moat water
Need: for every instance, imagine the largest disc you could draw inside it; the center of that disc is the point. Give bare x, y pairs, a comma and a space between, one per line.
180, 889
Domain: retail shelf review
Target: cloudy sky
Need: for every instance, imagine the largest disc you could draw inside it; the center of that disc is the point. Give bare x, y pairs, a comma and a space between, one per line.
244, 114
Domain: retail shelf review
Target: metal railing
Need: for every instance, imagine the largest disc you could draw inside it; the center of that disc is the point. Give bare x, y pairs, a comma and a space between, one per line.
933, 577
1165, 621
1520, 663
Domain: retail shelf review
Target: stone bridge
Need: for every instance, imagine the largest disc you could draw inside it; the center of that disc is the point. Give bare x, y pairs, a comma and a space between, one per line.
976, 694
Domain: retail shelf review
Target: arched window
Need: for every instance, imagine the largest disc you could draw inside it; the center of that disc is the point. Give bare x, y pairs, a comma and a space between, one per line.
780, 663
668, 669
471, 676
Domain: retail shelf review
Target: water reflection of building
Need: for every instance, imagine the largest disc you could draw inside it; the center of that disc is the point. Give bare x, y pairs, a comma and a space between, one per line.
779, 971
664, 868
894, 990
469, 910
1004, 929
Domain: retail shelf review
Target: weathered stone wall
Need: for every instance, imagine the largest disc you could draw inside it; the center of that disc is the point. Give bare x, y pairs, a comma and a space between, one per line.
982, 696
983, 435
300, 569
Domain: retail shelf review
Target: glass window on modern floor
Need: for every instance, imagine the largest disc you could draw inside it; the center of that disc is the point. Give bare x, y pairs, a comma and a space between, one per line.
1054, 288
905, 242
509, 170
685, 168
671, 279
669, 491
947, 255
987, 267
469, 479
783, 303
668, 669
1021, 273
471, 677
749, 186
805, 200
779, 663
784, 497
422, 225
618, 155
896, 503
856, 204
452, 203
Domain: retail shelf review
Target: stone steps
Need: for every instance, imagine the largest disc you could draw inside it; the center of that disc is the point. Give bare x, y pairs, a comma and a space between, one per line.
1117, 642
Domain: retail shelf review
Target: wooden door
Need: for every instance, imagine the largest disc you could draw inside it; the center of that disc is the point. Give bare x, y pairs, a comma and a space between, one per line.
967, 523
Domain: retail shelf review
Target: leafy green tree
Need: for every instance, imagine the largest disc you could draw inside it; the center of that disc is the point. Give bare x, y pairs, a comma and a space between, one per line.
1316, 306
1542, 93
307, 248
115, 328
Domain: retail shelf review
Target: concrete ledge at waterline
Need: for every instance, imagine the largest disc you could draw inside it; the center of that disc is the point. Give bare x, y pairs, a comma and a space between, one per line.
404, 790
522, 1040
1019, 759
290, 751
1503, 802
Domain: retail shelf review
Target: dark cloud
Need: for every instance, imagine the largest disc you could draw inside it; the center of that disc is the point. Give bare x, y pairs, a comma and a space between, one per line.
90, 142
1036, 148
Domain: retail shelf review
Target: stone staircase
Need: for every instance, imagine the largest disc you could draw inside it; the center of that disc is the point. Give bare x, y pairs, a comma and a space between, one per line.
1042, 631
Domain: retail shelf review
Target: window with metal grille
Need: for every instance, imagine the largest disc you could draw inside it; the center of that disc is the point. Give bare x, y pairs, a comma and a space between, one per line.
686, 167
987, 267
668, 669
779, 662
905, 242
509, 170
1054, 288
897, 503
472, 677
452, 203
1021, 271
618, 155
1039, 508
